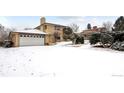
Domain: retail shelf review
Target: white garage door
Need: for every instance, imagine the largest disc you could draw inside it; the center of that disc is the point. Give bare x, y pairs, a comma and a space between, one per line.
31, 41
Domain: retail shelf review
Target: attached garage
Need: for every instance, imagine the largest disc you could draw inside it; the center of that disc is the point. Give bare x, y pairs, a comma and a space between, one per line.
31, 40
28, 38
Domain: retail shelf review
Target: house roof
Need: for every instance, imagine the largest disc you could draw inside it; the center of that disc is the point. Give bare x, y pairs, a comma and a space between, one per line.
33, 31
38, 27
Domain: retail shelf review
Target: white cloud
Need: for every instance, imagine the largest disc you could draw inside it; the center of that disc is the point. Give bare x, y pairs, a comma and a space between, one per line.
82, 21
71, 19
95, 22
79, 20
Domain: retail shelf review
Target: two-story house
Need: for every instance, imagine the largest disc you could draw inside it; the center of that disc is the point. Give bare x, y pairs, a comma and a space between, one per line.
54, 31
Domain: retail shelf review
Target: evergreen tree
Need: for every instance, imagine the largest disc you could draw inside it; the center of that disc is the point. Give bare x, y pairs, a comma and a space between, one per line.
88, 26
95, 38
119, 24
76, 38
67, 30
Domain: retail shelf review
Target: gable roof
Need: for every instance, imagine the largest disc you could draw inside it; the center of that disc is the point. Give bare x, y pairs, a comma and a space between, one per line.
38, 27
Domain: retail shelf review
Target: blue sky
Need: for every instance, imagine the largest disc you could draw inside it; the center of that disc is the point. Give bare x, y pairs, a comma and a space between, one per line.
20, 22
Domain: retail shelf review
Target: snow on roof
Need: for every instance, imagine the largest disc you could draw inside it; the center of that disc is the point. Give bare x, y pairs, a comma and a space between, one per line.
34, 31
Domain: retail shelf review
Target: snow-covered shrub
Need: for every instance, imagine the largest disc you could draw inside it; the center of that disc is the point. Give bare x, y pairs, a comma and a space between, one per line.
95, 38
76, 38
79, 40
115, 45
106, 39
118, 46
67, 33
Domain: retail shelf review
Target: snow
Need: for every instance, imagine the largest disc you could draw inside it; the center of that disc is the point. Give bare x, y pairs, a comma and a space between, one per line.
67, 68
33, 31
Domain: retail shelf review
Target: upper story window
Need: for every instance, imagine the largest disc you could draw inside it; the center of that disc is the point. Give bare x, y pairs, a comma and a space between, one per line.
45, 27
57, 27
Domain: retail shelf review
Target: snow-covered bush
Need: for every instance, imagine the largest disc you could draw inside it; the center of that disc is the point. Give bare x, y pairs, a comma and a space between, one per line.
67, 33
76, 38
95, 38
118, 46
80, 40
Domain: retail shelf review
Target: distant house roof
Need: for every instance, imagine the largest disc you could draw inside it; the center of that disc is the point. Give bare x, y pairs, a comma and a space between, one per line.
33, 31
95, 29
38, 27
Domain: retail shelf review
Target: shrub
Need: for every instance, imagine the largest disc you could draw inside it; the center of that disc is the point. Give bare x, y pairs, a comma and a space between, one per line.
67, 31
106, 39
95, 38
79, 40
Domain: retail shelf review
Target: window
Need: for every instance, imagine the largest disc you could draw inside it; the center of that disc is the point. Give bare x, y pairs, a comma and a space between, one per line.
40, 36
45, 27
57, 27
21, 35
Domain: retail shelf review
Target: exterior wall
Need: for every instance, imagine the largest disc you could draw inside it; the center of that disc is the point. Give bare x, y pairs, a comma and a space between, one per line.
87, 33
50, 30
47, 39
15, 39
41, 28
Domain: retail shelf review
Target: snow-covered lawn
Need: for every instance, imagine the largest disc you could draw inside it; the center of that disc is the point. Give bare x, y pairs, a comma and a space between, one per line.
62, 59
80, 66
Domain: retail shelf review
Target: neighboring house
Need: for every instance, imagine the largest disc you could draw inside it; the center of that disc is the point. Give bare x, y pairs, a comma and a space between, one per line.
87, 33
27, 38
55, 31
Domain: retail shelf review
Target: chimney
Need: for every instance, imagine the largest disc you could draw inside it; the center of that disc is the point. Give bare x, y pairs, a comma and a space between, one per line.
95, 28
42, 20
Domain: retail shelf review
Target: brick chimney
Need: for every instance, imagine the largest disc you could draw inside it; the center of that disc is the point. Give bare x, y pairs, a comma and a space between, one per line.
42, 20
95, 28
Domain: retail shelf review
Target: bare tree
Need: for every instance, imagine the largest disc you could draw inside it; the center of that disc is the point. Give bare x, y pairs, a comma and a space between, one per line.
74, 27
12, 29
108, 25
4, 32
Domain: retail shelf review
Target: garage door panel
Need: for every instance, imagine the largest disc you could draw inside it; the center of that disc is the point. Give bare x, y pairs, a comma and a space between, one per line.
31, 41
